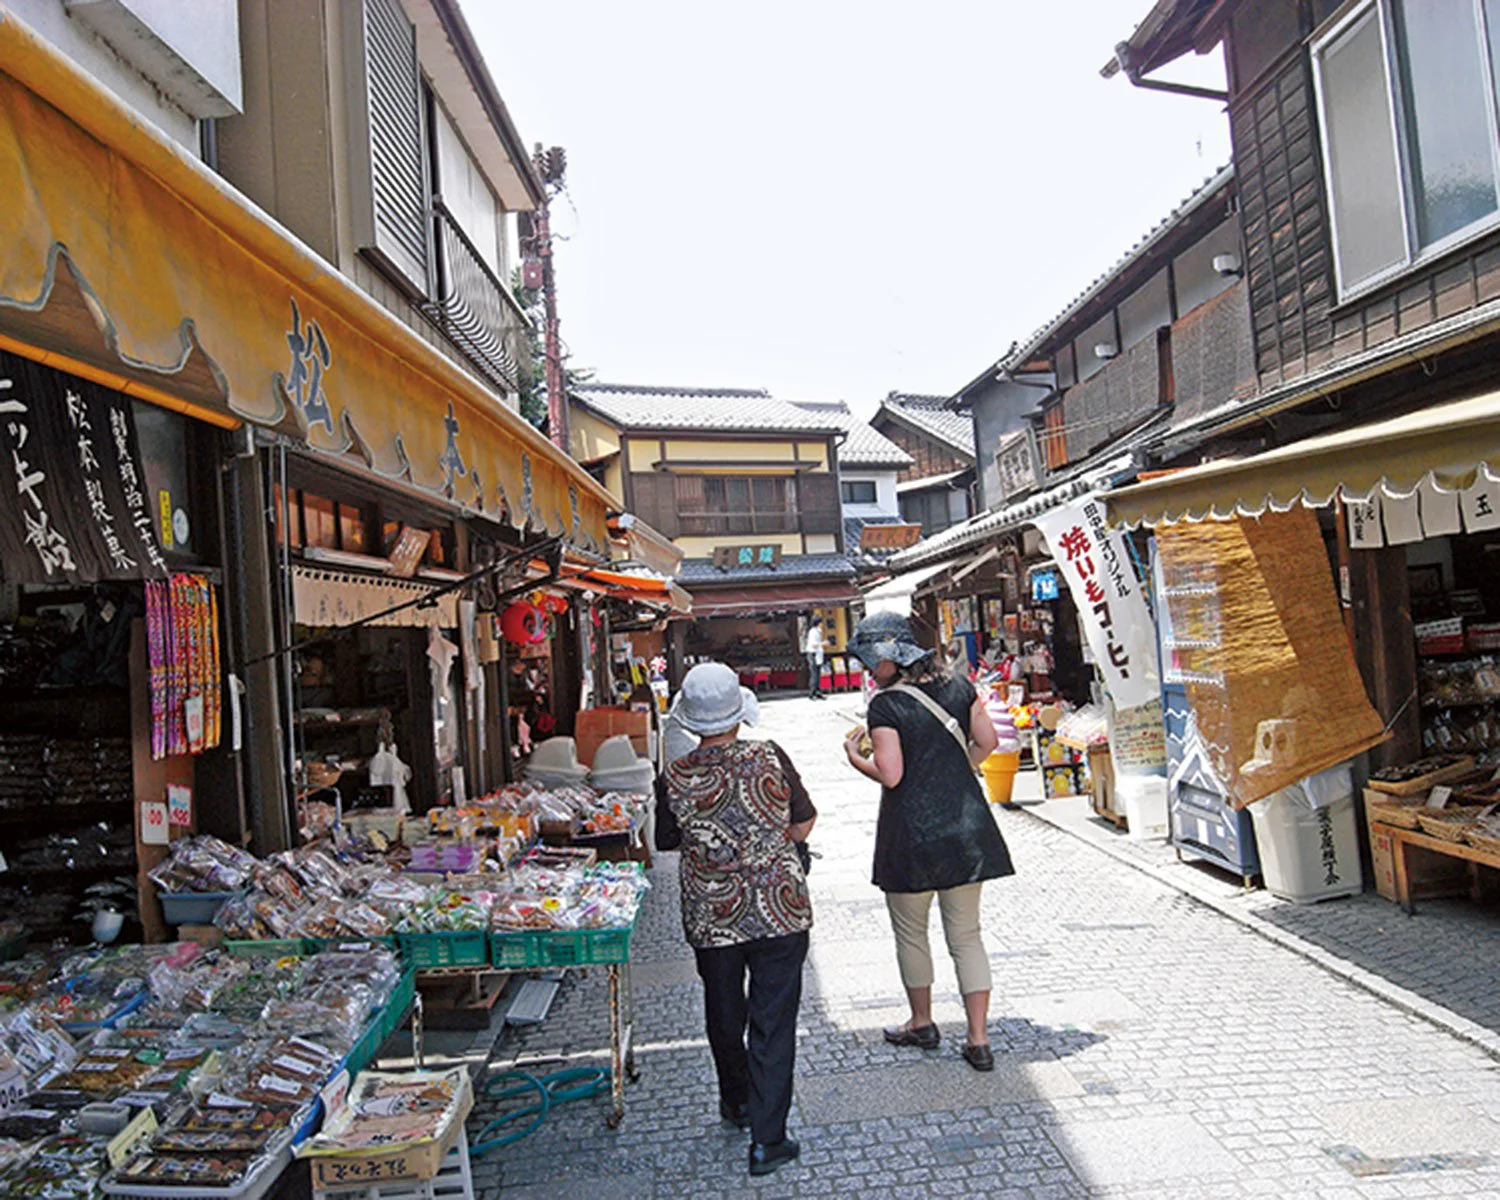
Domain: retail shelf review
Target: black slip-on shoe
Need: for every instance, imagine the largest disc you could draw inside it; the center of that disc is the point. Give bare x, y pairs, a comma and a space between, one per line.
924, 1037
765, 1159
981, 1058
737, 1115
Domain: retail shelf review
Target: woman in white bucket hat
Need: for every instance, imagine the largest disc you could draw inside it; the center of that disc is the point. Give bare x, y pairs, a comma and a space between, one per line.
738, 810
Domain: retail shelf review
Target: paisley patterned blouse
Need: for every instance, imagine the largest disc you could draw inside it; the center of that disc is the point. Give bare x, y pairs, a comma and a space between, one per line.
741, 878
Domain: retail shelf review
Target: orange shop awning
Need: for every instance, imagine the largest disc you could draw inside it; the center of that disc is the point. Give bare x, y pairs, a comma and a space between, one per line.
123, 256
635, 587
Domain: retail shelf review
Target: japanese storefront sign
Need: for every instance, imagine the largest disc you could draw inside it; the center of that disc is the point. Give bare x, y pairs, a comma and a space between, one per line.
1387, 518
1096, 566
74, 506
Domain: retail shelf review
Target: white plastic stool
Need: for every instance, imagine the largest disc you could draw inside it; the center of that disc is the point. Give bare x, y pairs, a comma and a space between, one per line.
452, 1182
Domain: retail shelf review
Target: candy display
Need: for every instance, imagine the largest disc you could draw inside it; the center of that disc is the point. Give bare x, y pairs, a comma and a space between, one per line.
229, 1053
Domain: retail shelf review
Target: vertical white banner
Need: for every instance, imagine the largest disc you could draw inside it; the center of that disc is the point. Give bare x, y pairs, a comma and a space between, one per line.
1364, 521
1481, 503
1095, 563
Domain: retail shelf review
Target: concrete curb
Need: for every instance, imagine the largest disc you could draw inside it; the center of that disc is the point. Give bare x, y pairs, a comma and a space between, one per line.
1476, 1035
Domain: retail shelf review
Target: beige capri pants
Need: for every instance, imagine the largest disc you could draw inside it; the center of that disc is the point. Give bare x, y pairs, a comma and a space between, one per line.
959, 907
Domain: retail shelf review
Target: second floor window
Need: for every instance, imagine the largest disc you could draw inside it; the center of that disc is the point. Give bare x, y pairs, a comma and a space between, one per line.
858, 491
1407, 98
718, 504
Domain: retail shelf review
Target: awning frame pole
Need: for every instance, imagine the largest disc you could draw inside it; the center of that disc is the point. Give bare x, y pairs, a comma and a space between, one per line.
552, 549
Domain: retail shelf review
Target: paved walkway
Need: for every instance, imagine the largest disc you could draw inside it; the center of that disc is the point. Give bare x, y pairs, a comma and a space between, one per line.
1147, 1046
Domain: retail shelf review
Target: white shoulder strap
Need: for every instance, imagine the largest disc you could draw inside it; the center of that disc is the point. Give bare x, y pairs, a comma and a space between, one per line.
960, 735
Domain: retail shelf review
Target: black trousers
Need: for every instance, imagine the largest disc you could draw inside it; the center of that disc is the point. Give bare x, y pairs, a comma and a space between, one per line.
758, 1072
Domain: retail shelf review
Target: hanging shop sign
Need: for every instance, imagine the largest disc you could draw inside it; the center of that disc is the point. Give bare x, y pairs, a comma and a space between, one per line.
1110, 602
74, 505
1044, 586
332, 599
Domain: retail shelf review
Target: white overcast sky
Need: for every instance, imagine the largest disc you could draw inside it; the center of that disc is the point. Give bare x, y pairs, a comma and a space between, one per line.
834, 199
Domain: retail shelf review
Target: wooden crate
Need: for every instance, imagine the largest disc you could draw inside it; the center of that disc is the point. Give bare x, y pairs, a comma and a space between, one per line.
1430, 873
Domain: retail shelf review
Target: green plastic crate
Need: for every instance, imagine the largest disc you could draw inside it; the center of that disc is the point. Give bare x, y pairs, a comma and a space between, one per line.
363, 1053
583, 947
517, 948
275, 947
400, 1002
318, 945
427, 951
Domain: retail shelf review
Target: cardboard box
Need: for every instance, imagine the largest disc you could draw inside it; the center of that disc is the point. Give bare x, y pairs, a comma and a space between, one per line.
596, 725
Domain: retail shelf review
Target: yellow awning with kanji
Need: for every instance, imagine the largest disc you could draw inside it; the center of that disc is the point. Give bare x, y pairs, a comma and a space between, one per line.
124, 259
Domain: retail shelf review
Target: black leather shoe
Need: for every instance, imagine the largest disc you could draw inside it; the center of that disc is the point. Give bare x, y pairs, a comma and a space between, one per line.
924, 1037
981, 1058
737, 1115
765, 1159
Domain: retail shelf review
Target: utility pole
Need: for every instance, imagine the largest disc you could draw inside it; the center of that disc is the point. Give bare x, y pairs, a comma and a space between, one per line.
551, 165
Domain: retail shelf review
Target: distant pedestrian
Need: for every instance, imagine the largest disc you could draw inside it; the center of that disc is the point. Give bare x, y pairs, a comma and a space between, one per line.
935, 835
738, 811
813, 648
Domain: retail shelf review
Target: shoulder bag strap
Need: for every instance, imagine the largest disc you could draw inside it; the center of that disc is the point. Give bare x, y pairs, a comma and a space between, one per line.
960, 735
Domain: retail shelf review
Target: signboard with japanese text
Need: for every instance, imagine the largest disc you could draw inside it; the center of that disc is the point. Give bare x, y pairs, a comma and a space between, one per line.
1015, 464
889, 537
730, 557
1095, 564
74, 506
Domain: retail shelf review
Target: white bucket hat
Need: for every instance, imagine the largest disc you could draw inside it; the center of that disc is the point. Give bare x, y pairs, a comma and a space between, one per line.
712, 701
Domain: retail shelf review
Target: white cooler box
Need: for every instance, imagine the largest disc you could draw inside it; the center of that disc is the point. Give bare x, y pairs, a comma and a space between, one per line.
1309, 847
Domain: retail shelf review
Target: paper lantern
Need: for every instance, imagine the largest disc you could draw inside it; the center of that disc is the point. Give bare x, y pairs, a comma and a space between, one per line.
523, 624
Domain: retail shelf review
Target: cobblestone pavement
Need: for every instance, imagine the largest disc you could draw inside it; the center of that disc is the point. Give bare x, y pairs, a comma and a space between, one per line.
1146, 1045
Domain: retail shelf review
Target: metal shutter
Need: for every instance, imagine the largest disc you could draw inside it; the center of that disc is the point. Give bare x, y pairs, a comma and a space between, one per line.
389, 175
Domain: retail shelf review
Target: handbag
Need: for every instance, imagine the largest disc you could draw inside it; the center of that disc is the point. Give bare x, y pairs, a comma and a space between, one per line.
960, 735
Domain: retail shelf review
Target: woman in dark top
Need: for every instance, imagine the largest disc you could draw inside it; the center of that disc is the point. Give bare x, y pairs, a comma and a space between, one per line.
739, 812
935, 835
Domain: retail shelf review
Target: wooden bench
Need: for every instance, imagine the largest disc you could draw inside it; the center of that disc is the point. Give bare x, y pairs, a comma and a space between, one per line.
1410, 883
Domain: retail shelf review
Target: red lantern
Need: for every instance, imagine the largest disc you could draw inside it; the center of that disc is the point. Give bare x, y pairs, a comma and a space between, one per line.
523, 624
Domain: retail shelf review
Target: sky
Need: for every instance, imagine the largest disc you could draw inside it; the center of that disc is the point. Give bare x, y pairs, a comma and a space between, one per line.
832, 199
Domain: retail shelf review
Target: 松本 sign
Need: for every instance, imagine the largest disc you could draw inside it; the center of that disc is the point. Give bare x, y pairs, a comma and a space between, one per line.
1095, 564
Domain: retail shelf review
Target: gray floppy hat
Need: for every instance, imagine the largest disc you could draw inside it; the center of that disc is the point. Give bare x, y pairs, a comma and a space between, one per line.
712, 701
886, 635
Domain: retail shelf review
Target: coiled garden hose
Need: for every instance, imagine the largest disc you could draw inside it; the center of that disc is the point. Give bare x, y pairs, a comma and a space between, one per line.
576, 1083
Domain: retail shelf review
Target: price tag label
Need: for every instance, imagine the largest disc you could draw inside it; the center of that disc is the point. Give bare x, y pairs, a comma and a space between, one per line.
1439, 796
335, 1094
192, 719
154, 829
179, 806
123, 1144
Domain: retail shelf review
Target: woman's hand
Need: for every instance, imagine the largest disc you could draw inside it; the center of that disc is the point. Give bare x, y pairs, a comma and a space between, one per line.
852, 741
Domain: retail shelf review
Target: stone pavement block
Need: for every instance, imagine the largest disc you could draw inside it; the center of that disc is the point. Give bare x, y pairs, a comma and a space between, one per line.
1085, 1007
1143, 1150
928, 1087
1409, 1128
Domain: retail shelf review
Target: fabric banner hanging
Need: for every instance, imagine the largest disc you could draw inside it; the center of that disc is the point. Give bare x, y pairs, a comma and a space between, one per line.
74, 505
1259, 643
333, 599
1095, 563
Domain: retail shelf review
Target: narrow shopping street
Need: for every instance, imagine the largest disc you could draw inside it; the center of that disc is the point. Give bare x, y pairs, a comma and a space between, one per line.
1146, 1044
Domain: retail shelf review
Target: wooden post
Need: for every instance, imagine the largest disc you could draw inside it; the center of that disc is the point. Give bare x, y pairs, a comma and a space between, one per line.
1386, 649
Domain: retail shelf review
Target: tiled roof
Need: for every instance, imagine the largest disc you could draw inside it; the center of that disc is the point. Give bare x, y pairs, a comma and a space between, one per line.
1023, 352
932, 416
864, 446
702, 571
727, 409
